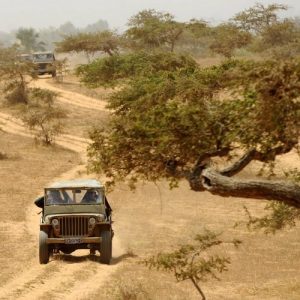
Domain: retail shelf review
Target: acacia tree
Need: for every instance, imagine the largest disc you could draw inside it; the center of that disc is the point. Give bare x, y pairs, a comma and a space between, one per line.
15, 74
90, 43
257, 18
150, 29
227, 38
42, 116
29, 40
193, 262
171, 123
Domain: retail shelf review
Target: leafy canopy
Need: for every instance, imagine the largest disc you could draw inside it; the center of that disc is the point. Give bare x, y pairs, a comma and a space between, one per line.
90, 42
15, 74
115, 70
153, 29
166, 120
259, 17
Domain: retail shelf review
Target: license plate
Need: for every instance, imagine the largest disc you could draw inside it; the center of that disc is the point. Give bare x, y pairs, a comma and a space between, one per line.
73, 241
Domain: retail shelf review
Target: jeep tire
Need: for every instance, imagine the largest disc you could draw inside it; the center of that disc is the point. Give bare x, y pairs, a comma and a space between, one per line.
43, 248
106, 247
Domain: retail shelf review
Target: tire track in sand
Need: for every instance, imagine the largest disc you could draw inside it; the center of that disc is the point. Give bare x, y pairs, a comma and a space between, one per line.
65, 277
71, 98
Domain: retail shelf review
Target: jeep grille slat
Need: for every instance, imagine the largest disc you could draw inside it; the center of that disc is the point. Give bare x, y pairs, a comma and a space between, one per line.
73, 226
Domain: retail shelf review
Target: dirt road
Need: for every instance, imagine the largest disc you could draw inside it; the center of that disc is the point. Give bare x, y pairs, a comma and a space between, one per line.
152, 219
59, 278
71, 98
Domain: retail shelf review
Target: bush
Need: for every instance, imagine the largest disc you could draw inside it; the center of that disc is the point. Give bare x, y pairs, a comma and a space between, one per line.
42, 116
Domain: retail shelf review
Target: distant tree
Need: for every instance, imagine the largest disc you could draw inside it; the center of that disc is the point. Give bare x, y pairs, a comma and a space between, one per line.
257, 18
100, 25
195, 38
90, 43
29, 40
15, 74
120, 69
67, 29
199, 28
42, 116
150, 29
280, 33
227, 38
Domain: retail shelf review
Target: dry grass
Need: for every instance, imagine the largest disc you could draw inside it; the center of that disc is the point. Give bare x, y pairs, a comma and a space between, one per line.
154, 219
79, 121
23, 177
150, 220
71, 83
265, 267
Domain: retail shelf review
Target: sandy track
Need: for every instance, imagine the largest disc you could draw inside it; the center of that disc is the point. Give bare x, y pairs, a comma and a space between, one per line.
71, 98
65, 277
13, 125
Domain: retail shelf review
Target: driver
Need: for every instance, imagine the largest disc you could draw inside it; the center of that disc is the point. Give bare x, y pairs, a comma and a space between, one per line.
90, 197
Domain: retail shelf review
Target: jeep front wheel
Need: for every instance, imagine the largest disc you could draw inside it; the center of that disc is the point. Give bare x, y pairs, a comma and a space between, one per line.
106, 247
43, 248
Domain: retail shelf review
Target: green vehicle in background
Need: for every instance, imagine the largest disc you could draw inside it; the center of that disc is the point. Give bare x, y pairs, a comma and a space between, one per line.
75, 215
44, 62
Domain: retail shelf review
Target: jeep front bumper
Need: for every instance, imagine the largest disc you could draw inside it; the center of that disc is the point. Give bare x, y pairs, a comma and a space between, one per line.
74, 240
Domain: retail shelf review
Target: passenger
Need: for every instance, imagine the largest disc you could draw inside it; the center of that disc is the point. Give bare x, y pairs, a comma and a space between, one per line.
54, 197
90, 197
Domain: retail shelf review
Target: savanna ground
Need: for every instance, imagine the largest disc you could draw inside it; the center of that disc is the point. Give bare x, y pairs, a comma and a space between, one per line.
150, 220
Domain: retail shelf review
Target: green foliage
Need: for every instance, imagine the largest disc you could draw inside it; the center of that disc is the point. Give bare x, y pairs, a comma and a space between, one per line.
150, 29
29, 40
90, 43
227, 38
257, 18
42, 116
279, 217
280, 33
193, 261
111, 71
166, 119
15, 74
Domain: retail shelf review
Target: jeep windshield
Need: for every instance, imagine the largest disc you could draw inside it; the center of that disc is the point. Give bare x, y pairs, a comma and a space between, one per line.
73, 196
43, 57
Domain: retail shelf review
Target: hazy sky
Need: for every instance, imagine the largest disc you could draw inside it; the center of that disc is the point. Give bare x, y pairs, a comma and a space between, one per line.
44, 13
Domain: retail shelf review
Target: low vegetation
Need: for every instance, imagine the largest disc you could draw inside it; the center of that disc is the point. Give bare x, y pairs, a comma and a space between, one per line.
193, 262
43, 116
174, 120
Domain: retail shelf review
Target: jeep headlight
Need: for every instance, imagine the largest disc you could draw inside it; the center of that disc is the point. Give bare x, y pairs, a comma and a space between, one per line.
92, 221
55, 222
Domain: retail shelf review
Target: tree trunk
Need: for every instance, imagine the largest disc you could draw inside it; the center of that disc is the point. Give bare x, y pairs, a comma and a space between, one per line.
198, 288
218, 184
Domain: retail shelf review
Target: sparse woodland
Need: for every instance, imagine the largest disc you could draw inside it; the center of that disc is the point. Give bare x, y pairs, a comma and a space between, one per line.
174, 119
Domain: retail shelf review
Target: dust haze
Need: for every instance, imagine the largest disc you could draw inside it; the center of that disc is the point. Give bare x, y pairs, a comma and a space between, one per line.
42, 14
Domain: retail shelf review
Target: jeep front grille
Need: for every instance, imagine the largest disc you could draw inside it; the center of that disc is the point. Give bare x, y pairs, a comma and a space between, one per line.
43, 66
73, 226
